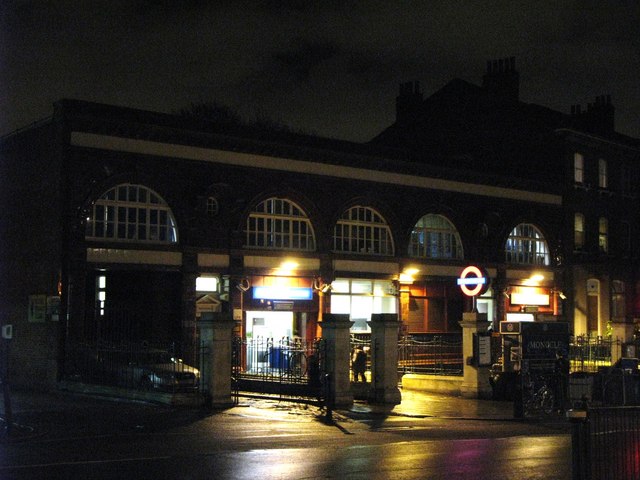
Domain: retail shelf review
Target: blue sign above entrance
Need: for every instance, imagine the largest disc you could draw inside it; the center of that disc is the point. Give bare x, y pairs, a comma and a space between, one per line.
282, 293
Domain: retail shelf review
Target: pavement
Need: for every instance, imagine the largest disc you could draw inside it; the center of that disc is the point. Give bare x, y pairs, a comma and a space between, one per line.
31, 409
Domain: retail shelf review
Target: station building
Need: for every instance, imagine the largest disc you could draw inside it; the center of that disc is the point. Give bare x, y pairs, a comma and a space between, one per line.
123, 225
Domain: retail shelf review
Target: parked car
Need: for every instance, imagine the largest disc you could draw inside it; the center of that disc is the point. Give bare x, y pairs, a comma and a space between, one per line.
149, 369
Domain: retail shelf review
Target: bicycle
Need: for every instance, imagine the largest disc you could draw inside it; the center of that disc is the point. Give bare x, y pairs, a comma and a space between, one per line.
538, 399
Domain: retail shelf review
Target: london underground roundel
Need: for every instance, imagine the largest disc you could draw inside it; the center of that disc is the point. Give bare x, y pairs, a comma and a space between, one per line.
473, 281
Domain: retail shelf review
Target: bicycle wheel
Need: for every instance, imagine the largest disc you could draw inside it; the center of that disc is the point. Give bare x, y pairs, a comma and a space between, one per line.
547, 400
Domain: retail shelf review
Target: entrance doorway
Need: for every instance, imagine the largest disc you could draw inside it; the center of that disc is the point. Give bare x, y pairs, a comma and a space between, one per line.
269, 324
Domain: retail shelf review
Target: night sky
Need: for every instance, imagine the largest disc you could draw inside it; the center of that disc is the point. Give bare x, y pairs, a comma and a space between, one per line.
331, 70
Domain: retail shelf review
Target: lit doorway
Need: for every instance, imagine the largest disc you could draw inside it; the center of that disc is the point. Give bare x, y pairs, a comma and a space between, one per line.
269, 324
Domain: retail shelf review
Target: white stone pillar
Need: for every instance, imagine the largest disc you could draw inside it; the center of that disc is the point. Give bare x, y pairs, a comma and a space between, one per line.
337, 384
217, 334
475, 383
384, 359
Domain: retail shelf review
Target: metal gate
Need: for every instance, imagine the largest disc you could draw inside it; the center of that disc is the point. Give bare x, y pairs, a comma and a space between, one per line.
606, 445
287, 366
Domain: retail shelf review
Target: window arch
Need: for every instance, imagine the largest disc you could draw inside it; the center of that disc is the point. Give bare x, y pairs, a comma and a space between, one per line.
131, 213
434, 236
362, 230
526, 245
279, 224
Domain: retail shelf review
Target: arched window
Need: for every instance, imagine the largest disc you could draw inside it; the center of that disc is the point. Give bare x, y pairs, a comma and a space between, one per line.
131, 213
362, 230
279, 224
434, 236
526, 245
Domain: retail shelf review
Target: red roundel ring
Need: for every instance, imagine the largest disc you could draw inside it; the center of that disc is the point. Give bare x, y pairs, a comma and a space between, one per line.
472, 285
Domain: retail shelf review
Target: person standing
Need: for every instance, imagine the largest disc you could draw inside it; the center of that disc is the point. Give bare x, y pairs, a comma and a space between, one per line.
359, 364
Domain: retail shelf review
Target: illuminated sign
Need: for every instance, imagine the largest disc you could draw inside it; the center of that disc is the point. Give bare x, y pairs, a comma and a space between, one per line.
529, 298
282, 293
473, 281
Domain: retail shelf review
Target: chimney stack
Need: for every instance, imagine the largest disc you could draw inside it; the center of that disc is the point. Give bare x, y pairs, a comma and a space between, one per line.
502, 79
599, 117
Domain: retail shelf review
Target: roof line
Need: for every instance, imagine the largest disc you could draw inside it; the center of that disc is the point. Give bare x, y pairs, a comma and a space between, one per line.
188, 152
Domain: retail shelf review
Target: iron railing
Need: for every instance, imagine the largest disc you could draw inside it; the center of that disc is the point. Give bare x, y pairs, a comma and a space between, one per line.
589, 353
142, 366
283, 360
430, 354
606, 445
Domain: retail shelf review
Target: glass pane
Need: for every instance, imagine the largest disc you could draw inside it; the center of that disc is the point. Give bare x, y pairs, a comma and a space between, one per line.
361, 286
339, 286
361, 307
340, 304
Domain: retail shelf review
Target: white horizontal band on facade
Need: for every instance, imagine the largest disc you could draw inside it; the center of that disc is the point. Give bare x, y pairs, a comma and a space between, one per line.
212, 260
444, 270
187, 152
513, 274
119, 255
302, 264
391, 268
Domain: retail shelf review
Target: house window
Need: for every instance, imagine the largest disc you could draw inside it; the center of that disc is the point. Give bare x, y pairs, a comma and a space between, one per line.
131, 213
279, 224
360, 298
101, 294
602, 174
578, 168
434, 236
578, 231
526, 245
362, 230
603, 235
618, 310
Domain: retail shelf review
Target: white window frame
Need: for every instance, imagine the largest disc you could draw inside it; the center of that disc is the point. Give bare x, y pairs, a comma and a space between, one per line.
131, 213
526, 245
279, 224
603, 181
362, 230
434, 236
578, 168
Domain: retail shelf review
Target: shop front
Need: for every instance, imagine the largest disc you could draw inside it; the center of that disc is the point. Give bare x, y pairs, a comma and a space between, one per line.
532, 296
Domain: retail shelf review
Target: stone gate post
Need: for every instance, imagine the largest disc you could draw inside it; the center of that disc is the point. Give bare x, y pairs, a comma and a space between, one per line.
475, 383
384, 358
335, 332
216, 333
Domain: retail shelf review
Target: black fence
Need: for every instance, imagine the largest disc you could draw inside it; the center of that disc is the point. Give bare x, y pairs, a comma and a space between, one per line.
140, 366
589, 353
606, 444
284, 366
430, 354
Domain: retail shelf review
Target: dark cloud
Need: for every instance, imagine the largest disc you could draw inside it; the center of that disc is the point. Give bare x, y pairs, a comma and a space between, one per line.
331, 68
305, 56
